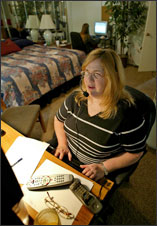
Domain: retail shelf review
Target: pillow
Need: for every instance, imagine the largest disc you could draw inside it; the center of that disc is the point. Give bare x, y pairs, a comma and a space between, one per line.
14, 38
9, 47
23, 42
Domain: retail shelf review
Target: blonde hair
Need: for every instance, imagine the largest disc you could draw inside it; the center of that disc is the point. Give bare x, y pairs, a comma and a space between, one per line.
114, 74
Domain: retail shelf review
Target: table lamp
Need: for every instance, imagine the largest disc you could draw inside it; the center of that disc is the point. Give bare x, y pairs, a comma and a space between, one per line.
33, 23
46, 24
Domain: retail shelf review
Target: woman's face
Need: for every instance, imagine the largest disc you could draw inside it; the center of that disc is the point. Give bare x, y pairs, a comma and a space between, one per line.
94, 79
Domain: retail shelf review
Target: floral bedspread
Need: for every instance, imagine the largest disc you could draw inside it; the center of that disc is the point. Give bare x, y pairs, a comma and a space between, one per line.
35, 70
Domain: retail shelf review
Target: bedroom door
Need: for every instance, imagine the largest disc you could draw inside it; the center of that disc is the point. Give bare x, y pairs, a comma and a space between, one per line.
148, 52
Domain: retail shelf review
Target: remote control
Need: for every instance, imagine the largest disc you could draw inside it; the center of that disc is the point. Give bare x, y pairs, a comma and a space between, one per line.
45, 181
86, 197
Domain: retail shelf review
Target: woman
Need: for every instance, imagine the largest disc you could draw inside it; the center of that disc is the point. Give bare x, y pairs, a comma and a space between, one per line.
87, 39
100, 126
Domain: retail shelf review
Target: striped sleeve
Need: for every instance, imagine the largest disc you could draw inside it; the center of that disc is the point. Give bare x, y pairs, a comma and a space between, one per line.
65, 108
133, 137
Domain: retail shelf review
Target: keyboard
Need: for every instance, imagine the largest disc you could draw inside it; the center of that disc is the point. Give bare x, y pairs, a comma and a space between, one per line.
74, 163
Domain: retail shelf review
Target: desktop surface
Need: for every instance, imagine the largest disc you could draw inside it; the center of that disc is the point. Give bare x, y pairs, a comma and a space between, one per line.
99, 37
84, 216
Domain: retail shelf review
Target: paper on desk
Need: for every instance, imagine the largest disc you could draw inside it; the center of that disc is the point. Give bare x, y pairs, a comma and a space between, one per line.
62, 195
31, 151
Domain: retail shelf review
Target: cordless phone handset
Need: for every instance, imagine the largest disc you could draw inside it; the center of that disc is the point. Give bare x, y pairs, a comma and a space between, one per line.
86, 197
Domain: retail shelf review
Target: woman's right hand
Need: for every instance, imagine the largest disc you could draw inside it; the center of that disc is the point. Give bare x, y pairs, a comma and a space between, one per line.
62, 150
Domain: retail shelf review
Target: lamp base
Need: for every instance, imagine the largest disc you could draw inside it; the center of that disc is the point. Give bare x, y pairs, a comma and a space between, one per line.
34, 35
48, 37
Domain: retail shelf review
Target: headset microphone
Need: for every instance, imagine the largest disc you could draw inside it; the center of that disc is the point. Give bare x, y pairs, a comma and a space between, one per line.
85, 93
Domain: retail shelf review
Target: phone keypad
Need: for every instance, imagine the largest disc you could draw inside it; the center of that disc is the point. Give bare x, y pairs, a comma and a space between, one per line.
81, 190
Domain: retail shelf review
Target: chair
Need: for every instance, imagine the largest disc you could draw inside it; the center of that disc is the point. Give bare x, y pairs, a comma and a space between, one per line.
22, 118
146, 107
77, 42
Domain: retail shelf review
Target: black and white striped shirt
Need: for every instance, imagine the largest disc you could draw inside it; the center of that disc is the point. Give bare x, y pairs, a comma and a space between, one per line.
94, 139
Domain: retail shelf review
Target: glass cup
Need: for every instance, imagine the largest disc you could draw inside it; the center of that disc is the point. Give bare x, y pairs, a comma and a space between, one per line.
47, 217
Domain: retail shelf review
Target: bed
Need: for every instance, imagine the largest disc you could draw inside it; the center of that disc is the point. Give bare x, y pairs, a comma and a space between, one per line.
34, 70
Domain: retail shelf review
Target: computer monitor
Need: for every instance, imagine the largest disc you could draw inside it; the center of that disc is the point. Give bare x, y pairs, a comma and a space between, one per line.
100, 28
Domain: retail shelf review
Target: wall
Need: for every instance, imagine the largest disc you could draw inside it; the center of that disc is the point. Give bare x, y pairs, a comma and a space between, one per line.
147, 60
80, 12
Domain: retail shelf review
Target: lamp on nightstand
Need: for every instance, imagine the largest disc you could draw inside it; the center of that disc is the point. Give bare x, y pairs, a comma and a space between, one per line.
46, 24
33, 23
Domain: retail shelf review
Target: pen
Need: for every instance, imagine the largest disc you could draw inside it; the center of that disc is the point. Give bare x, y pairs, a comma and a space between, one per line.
17, 162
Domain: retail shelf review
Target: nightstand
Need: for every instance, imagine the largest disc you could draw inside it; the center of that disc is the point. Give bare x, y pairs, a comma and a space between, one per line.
67, 45
40, 42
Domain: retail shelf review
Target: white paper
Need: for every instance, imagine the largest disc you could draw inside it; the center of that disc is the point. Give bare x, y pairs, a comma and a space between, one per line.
62, 195
31, 151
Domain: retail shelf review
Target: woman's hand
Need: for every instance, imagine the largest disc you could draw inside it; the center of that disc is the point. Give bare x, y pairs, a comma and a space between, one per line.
93, 171
61, 151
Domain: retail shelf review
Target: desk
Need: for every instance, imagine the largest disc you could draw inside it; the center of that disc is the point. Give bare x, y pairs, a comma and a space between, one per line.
84, 216
107, 43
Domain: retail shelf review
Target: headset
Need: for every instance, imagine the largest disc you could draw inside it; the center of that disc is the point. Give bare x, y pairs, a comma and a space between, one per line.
85, 93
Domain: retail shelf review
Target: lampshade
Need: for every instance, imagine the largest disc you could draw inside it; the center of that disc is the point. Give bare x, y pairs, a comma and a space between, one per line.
33, 22
47, 23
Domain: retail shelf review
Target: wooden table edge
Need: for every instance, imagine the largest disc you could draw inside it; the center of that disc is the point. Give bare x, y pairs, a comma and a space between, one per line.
84, 213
